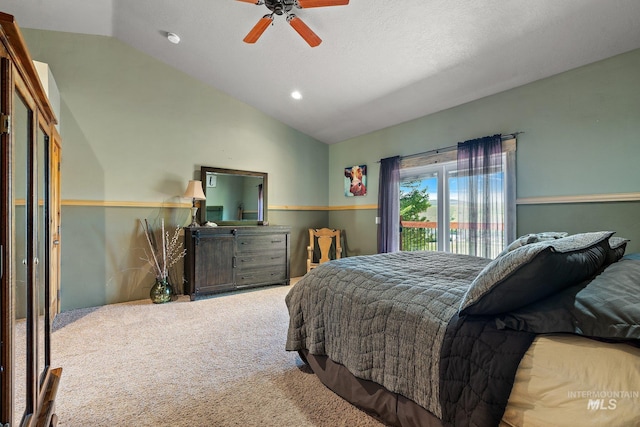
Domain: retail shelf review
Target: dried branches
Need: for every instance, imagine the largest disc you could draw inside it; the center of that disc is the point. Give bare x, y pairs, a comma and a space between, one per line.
165, 255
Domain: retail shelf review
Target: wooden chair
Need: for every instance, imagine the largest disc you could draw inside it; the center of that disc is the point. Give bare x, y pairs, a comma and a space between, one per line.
325, 238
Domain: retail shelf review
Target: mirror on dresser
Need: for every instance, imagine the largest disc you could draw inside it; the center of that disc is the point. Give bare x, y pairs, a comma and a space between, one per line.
233, 197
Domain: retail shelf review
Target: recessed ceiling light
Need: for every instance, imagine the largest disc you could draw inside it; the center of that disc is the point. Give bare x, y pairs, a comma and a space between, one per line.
296, 95
173, 38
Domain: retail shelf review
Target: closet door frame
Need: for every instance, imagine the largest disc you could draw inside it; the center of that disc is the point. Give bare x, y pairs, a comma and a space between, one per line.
7, 310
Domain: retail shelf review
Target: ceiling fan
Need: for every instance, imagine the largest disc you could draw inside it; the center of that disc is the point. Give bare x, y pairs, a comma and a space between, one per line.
283, 7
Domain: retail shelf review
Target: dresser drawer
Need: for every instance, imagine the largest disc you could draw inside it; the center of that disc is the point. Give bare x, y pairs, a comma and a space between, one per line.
260, 244
275, 258
261, 276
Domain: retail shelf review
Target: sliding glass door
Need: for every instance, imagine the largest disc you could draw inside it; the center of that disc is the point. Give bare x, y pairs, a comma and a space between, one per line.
428, 206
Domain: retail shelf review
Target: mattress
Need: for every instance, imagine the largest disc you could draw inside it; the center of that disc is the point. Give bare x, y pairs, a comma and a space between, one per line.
568, 380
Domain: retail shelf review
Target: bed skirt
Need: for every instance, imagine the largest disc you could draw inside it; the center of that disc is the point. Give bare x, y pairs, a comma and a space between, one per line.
390, 408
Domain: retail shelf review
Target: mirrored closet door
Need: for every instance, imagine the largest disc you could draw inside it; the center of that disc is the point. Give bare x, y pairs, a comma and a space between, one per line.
28, 271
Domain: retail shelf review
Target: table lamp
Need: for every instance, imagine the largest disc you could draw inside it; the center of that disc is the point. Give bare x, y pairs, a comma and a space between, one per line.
194, 192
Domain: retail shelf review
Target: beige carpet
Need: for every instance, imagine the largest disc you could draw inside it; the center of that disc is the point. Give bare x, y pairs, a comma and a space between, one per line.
214, 362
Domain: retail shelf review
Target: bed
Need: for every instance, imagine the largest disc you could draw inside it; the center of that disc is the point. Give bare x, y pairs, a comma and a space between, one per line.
440, 339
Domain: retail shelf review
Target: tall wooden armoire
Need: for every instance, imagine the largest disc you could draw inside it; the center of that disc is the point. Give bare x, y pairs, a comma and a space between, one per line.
29, 237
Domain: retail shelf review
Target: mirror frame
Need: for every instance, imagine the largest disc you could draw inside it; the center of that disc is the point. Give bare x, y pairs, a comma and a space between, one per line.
202, 212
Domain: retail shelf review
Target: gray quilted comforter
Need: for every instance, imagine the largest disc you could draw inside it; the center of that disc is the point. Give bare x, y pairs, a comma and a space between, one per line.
385, 318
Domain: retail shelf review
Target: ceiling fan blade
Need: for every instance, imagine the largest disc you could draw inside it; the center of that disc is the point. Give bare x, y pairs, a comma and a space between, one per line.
251, 1
304, 4
258, 29
304, 31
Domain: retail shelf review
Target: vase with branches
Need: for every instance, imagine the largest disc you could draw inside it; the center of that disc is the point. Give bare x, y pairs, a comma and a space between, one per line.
162, 255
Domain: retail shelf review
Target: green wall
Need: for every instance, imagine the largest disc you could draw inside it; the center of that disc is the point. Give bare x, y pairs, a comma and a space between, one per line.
581, 137
621, 217
360, 232
136, 130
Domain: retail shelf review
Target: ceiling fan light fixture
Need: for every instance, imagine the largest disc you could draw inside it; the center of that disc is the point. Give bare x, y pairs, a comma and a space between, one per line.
296, 95
284, 7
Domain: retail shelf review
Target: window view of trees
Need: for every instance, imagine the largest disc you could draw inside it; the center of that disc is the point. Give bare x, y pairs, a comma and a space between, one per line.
414, 201
417, 232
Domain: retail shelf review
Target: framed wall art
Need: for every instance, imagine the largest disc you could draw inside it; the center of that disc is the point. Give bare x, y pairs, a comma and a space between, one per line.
355, 181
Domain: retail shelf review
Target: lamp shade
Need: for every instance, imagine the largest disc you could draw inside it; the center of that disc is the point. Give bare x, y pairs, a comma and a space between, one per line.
194, 191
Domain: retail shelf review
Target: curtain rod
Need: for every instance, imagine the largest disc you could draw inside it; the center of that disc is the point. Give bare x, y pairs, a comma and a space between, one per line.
454, 147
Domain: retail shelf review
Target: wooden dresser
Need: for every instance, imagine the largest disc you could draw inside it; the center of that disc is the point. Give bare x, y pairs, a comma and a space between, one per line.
226, 258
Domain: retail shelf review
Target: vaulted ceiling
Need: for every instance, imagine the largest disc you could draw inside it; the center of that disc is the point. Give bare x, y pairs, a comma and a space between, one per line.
380, 62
